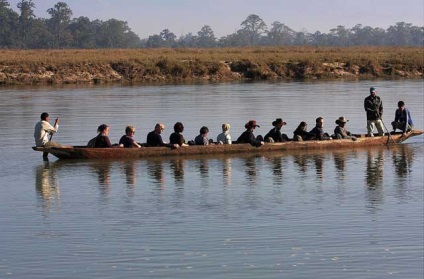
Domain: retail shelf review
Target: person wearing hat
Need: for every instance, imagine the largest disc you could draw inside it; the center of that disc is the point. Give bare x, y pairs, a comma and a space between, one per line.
340, 131
403, 120
43, 129
248, 136
318, 130
224, 137
374, 108
274, 135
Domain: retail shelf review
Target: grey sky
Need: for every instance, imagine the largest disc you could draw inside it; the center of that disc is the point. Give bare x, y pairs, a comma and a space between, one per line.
148, 17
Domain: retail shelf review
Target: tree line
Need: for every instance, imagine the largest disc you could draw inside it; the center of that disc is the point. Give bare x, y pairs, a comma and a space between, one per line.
23, 30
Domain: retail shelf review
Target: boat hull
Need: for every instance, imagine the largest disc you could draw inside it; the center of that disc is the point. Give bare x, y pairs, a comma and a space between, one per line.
82, 152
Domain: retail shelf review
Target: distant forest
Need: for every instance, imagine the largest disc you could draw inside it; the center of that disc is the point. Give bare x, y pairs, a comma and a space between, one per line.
23, 30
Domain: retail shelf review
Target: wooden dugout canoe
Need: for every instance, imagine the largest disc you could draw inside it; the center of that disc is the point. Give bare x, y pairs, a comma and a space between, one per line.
83, 152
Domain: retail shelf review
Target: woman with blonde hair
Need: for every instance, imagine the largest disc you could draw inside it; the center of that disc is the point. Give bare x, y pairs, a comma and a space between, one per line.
224, 137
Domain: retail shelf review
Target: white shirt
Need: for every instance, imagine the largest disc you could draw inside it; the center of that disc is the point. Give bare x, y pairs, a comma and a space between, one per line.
42, 131
224, 138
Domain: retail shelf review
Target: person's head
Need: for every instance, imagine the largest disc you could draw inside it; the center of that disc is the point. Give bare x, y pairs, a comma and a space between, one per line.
44, 116
204, 130
159, 127
278, 123
251, 125
373, 91
225, 127
319, 121
401, 105
103, 129
130, 130
303, 125
178, 127
341, 121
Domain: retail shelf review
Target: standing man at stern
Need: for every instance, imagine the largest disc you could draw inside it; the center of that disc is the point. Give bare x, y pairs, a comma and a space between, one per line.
374, 108
43, 129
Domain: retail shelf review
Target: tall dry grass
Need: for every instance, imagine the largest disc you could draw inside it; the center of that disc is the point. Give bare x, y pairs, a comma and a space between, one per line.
412, 56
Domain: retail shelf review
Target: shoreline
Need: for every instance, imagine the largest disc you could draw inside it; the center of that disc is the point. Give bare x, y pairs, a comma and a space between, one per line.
141, 66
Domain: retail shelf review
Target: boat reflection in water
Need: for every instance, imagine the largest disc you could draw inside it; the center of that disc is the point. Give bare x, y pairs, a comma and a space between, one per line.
47, 185
323, 169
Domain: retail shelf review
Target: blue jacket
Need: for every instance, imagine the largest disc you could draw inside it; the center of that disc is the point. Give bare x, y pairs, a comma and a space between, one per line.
404, 116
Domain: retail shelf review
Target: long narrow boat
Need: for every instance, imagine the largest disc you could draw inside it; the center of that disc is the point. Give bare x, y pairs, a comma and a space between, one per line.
83, 152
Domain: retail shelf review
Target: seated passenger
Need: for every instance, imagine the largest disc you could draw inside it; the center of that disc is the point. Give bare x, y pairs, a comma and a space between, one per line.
224, 137
274, 135
202, 138
128, 140
301, 133
318, 130
177, 137
340, 131
248, 136
102, 139
403, 120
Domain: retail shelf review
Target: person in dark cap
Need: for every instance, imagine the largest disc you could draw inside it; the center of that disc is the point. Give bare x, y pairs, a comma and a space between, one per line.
340, 131
374, 108
274, 135
43, 129
403, 120
248, 136
318, 130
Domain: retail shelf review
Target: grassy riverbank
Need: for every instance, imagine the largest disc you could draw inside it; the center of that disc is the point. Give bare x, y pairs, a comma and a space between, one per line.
261, 63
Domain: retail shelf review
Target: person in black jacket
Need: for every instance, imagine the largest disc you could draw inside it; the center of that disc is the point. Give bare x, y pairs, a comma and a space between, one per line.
275, 135
374, 108
248, 136
318, 130
301, 133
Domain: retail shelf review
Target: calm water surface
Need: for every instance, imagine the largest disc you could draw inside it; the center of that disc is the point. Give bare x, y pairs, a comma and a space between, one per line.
340, 213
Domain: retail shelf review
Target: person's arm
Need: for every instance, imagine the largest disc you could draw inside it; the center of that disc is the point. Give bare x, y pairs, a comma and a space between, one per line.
228, 139
406, 120
135, 144
107, 141
380, 109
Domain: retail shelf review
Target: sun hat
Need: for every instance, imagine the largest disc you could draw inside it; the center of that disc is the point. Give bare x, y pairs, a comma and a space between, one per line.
341, 119
251, 124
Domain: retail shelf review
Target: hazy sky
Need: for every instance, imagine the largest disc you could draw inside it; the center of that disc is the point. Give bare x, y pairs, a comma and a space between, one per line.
148, 17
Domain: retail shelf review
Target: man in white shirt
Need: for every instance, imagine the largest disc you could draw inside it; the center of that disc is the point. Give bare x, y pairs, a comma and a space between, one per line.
43, 129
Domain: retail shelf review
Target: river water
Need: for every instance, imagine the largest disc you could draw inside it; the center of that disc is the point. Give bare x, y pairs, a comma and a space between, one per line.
339, 213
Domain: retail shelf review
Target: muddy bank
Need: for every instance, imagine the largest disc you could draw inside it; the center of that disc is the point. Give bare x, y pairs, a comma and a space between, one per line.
164, 70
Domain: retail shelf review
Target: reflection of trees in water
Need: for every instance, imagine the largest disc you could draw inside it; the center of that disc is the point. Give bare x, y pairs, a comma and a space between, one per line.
374, 175
47, 185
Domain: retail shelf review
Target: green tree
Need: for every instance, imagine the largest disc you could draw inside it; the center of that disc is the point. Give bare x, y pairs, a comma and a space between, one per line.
168, 38
253, 27
9, 22
280, 34
26, 17
206, 37
60, 16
